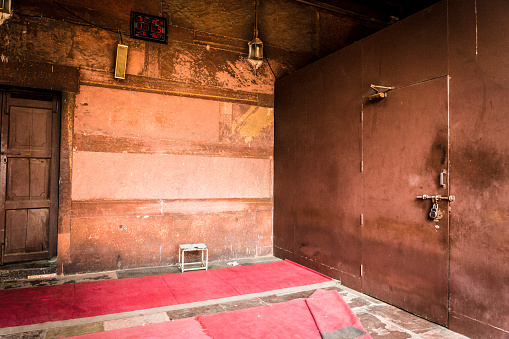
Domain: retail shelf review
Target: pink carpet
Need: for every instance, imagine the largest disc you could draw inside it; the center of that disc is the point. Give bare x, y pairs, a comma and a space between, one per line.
323, 315
63, 302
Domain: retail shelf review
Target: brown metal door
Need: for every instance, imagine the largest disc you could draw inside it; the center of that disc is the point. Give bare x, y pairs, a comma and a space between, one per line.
405, 253
29, 174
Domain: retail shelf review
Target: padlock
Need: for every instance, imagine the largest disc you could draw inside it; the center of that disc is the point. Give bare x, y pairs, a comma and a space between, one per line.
435, 213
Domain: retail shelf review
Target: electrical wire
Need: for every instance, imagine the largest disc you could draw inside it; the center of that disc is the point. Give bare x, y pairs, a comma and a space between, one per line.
390, 89
268, 63
88, 22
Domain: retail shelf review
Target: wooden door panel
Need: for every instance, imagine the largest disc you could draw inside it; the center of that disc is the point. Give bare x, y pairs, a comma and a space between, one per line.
27, 204
40, 137
15, 231
29, 131
18, 178
19, 128
37, 230
39, 179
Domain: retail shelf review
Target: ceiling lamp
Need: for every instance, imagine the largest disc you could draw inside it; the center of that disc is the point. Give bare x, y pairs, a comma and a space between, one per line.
255, 56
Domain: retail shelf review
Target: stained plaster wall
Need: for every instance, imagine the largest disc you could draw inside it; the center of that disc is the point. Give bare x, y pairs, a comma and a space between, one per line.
181, 150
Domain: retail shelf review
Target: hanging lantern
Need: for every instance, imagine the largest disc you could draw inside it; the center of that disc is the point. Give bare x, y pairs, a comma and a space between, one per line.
255, 56
255, 53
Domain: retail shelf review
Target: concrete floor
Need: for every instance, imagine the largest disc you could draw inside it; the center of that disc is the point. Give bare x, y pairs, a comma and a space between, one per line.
380, 319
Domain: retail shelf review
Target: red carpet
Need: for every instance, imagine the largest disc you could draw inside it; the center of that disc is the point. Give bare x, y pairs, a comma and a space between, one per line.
62, 302
178, 329
323, 315
333, 317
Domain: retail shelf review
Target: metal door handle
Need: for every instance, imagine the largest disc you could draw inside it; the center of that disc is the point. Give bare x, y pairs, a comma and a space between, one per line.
442, 178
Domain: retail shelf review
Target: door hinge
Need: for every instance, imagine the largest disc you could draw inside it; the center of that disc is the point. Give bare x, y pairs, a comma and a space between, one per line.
362, 116
362, 166
362, 270
362, 219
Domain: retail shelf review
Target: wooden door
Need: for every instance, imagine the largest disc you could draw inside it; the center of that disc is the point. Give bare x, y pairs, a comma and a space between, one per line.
405, 256
29, 176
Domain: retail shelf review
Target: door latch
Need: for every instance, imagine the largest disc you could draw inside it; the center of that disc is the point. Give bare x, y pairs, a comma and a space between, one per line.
436, 197
435, 212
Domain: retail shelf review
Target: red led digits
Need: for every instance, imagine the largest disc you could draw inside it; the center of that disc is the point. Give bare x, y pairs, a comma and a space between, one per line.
142, 26
157, 29
148, 27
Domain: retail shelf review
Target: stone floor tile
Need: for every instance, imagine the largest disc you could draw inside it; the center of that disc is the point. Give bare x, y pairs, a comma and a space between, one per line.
195, 311
67, 279
356, 302
353, 300
141, 320
401, 318
143, 272
241, 304
11, 284
78, 278
63, 332
25, 335
441, 333
279, 298
380, 329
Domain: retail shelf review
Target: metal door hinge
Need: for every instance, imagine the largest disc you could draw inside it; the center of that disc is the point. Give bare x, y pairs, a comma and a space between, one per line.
362, 166
362, 270
362, 219
362, 116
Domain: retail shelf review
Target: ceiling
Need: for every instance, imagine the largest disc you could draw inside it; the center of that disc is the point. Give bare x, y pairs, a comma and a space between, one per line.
378, 11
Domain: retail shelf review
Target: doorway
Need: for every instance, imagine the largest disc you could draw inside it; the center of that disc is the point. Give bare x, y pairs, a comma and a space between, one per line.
29, 163
405, 239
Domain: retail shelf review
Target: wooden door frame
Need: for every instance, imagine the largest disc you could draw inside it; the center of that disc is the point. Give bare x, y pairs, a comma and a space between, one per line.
3, 178
54, 171
55, 175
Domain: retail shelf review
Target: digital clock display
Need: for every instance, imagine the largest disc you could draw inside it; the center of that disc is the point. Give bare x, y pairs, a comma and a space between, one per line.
148, 27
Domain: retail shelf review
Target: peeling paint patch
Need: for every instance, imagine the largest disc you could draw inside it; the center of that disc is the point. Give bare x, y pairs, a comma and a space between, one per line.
188, 67
183, 65
240, 76
253, 122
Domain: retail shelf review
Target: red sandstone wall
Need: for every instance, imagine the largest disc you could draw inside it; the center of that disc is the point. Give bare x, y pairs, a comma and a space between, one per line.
151, 171
181, 150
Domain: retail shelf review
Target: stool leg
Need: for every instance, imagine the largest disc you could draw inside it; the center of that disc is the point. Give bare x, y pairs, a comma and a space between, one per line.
183, 260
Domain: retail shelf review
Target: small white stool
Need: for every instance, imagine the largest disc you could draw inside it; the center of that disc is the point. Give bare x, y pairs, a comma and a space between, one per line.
203, 264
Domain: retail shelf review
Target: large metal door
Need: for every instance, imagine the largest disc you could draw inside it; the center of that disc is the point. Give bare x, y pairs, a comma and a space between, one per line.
29, 174
405, 251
